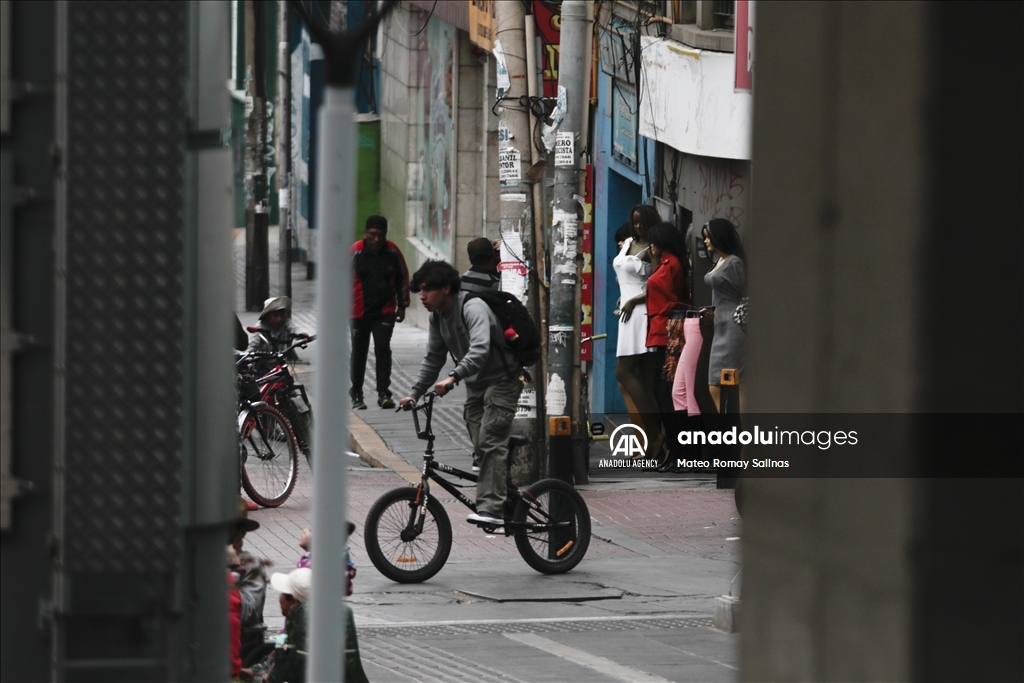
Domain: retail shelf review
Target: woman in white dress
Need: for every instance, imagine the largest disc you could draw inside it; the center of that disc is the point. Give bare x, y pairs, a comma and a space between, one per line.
637, 368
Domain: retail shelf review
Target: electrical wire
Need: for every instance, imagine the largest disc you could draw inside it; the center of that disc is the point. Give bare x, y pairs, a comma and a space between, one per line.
432, 8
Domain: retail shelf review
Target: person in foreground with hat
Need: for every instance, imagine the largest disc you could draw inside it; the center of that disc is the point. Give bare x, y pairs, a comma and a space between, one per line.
250, 579
288, 660
353, 664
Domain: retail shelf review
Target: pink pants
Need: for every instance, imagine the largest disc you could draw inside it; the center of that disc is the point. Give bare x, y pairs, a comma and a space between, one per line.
683, 395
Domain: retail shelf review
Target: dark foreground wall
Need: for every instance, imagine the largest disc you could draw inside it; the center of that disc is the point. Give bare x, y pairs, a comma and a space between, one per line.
121, 464
887, 275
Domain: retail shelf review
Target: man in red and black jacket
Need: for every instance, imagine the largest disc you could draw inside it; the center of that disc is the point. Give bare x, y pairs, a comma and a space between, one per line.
380, 295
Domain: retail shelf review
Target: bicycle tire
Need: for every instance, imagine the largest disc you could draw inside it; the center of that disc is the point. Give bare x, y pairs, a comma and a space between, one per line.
556, 551
390, 554
269, 457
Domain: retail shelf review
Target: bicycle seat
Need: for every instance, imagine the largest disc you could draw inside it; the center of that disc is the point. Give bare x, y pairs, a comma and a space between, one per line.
516, 440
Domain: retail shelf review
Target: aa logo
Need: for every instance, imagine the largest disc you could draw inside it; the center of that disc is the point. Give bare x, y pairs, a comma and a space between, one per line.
628, 441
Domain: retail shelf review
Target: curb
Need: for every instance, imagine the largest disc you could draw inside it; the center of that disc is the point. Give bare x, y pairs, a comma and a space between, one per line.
373, 451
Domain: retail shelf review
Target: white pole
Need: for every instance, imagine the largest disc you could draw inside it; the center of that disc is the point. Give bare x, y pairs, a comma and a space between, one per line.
335, 198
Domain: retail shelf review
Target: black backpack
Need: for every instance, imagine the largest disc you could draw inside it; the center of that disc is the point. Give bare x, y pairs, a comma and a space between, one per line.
521, 335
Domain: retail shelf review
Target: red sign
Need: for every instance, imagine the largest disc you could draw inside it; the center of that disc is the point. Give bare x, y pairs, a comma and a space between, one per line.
587, 281
744, 45
549, 28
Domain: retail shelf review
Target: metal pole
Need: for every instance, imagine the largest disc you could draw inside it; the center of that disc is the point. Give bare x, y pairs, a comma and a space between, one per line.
284, 156
257, 216
514, 144
532, 78
335, 197
581, 435
335, 184
562, 340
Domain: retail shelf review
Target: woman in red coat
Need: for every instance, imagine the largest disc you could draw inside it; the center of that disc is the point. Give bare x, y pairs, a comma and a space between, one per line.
667, 287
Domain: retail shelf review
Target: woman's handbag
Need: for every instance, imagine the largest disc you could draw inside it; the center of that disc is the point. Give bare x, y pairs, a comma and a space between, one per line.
739, 316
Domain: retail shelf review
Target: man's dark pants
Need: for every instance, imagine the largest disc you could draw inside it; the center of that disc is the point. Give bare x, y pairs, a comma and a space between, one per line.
381, 327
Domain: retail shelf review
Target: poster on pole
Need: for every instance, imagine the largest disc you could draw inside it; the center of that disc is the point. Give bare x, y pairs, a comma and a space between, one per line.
564, 155
509, 169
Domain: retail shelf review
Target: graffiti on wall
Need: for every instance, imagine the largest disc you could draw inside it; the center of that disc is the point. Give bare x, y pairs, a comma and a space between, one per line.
722, 191
430, 197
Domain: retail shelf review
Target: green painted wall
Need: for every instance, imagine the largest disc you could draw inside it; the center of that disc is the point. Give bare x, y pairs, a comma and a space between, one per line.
368, 183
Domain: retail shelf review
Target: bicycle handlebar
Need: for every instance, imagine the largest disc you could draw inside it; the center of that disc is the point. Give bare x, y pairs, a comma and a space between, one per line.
303, 341
416, 405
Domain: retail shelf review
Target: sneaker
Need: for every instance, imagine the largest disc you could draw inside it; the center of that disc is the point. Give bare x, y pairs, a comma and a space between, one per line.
251, 506
476, 463
358, 403
385, 401
485, 518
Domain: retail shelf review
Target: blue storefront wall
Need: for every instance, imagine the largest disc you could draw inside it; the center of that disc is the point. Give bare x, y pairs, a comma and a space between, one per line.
617, 188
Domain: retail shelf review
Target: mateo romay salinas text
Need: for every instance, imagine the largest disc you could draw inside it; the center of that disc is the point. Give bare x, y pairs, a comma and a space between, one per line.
823, 439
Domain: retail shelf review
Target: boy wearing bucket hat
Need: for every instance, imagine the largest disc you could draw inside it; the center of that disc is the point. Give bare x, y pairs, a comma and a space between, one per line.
275, 328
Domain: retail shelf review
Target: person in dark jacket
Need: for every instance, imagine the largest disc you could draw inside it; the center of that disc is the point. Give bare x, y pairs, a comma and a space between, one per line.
483, 274
380, 295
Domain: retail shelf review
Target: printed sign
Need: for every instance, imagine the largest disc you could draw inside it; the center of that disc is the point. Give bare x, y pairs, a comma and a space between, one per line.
482, 23
501, 72
509, 168
564, 155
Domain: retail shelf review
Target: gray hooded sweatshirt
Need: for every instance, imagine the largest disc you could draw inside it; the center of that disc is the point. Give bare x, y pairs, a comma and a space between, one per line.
472, 333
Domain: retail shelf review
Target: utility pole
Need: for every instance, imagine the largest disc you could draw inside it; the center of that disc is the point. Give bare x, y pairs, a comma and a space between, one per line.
515, 140
536, 161
563, 322
257, 206
284, 155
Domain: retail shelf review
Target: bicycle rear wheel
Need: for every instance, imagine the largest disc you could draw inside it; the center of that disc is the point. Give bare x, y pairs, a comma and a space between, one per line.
394, 550
269, 456
560, 526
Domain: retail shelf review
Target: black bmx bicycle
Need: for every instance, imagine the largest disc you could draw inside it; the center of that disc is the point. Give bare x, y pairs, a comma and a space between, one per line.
409, 536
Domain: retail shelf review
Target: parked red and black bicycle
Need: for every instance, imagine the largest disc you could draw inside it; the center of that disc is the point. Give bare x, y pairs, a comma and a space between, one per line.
273, 410
281, 388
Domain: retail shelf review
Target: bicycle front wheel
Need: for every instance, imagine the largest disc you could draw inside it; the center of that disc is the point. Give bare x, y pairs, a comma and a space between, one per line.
558, 532
270, 456
395, 549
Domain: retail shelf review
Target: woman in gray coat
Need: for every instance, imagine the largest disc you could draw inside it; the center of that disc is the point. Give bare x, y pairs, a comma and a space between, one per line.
728, 282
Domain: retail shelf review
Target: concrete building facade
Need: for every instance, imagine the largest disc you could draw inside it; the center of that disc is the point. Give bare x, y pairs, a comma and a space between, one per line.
432, 146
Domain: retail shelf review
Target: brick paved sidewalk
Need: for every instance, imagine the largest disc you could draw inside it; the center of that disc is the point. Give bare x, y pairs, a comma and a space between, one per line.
677, 521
